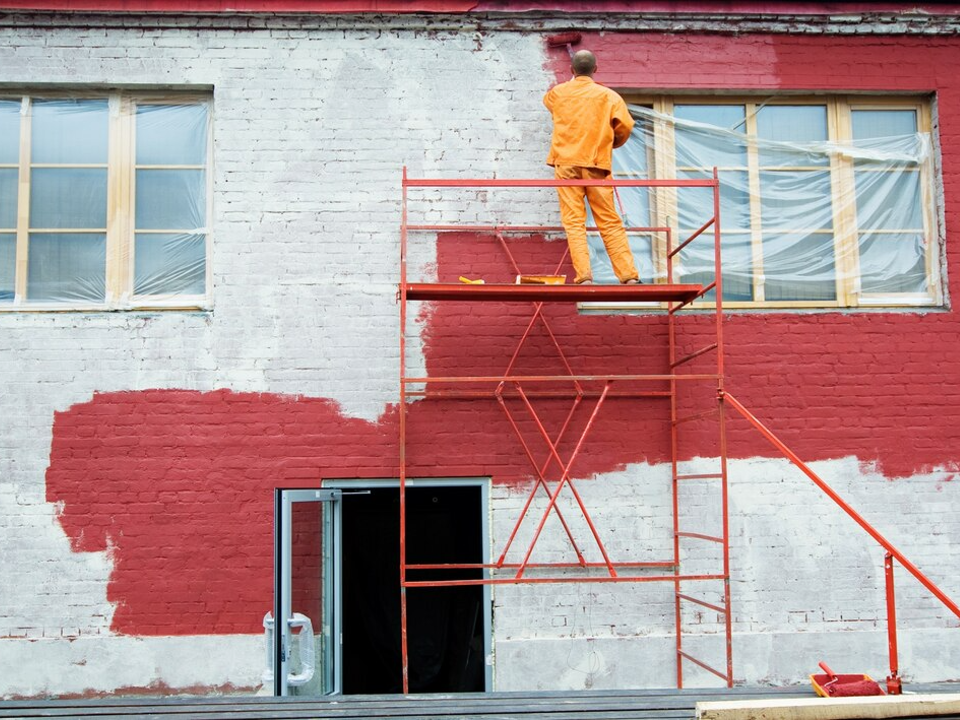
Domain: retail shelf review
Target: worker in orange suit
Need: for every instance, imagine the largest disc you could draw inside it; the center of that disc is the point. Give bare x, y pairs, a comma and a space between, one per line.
589, 121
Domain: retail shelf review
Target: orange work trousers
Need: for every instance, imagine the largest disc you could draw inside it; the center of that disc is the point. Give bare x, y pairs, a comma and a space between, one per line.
573, 215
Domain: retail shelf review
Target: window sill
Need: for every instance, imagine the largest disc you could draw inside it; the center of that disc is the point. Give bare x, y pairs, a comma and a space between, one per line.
188, 304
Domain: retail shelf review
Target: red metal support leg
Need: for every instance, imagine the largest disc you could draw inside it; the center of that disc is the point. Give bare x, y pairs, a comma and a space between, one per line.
894, 686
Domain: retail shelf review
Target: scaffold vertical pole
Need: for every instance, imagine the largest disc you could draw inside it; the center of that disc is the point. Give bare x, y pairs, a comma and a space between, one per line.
403, 438
674, 453
894, 685
718, 268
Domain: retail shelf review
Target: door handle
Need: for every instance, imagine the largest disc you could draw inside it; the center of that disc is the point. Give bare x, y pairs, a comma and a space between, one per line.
308, 655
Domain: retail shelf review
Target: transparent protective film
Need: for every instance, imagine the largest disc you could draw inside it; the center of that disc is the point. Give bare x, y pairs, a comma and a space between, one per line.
9, 173
805, 218
66, 257
8, 258
171, 200
106, 200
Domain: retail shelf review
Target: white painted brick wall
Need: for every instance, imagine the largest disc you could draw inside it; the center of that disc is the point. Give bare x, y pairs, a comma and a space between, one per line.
806, 583
305, 266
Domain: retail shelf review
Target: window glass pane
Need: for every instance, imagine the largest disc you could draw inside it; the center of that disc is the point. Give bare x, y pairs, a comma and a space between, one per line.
9, 131
8, 260
888, 200
600, 261
891, 263
171, 134
69, 131
695, 205
791, 124
8, 198
170, 199
706, 148
793, 200
67, 267
697, 265
171, 263
883, 123
68, 198
799, 267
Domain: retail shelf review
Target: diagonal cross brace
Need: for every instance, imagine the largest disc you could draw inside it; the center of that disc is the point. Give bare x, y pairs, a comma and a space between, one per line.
541, 482
565, 479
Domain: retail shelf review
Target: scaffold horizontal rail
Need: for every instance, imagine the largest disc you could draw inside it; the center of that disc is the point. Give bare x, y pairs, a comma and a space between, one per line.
554, 394
545, 183
505, 292
701, 476
515, 565
558, 378
532, 229
525, 580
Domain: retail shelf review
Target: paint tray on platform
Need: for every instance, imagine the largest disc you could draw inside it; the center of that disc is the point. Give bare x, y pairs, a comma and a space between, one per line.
541, 279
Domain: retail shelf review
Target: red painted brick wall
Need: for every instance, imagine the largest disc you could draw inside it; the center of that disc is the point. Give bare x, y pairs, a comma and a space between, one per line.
178, 484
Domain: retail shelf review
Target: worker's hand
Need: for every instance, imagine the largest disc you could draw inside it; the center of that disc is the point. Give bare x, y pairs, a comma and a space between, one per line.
621, 133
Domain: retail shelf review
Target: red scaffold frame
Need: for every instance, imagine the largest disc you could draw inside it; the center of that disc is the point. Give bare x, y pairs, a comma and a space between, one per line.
675, 297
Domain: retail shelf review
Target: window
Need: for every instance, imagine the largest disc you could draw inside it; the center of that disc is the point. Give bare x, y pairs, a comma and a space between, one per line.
103, 202
825, 202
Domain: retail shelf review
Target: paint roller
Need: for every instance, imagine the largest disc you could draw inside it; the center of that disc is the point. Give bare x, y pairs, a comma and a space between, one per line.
567, 40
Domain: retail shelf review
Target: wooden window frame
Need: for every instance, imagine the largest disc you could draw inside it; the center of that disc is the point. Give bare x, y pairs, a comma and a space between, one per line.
839, 110
121, 203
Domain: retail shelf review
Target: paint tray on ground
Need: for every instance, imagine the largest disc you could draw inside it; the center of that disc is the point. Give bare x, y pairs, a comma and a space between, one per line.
845, 685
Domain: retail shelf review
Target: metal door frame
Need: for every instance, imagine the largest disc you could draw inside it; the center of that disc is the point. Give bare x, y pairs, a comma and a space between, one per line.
284, 499
346, 484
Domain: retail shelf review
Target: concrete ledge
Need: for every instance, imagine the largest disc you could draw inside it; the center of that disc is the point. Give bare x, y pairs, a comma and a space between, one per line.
895, 706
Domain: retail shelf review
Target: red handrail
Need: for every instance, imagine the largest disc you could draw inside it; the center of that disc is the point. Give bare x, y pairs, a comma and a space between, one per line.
872, 531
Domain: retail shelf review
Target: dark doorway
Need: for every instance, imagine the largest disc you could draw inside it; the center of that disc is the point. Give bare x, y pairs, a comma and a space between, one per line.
445, 626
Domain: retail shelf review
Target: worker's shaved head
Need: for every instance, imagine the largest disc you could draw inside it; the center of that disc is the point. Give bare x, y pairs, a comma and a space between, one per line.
583, 62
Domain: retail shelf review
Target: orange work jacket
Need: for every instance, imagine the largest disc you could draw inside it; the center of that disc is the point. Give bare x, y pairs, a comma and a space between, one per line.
589, 120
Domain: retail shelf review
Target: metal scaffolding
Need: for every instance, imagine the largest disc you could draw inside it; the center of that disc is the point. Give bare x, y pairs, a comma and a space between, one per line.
674, 298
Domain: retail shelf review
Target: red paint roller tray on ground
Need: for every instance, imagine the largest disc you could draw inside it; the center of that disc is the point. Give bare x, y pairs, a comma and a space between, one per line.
833, 685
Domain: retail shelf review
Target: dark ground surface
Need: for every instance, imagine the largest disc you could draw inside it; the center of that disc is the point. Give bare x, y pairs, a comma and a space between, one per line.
598, 705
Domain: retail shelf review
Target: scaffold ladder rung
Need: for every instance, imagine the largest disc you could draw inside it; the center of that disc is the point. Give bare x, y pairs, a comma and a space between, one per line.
694, 355
704, 603
700, 536
701, 476
696, 416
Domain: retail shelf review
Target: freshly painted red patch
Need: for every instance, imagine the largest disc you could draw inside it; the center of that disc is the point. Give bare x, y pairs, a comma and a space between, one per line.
178, 485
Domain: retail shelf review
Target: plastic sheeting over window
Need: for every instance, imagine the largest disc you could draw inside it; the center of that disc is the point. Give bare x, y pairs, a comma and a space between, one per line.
171, 200
116, 202
806, 218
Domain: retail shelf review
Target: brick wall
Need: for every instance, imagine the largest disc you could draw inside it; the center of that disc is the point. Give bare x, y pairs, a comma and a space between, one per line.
141, 449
